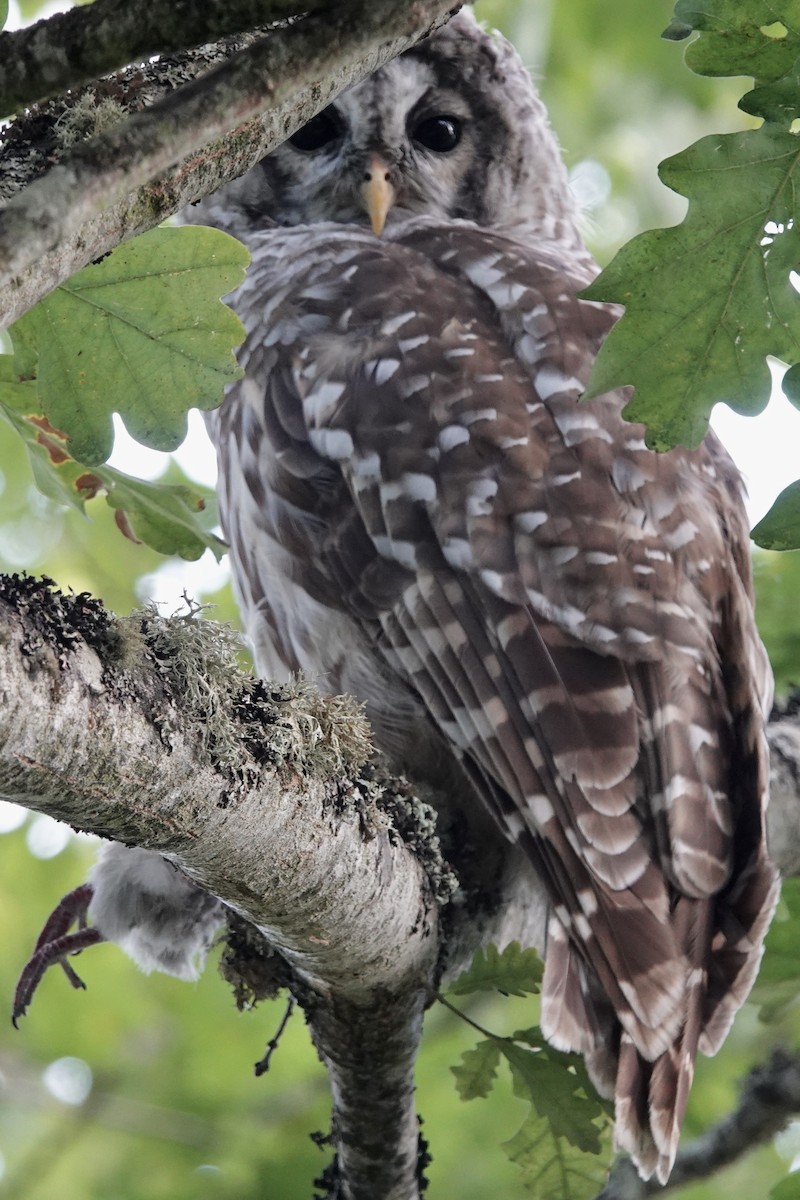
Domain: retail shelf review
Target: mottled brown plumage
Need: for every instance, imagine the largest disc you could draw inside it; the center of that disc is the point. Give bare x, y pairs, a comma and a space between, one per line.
421, 513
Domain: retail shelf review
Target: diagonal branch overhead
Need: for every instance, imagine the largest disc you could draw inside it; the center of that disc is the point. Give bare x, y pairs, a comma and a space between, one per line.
70, 48
134, 175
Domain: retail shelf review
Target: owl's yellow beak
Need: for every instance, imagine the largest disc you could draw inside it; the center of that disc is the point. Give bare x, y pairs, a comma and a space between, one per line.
377, 193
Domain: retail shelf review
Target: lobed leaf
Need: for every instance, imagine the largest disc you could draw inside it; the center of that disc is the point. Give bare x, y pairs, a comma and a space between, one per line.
172, 518
559, 1095
707, 300
550, 1167
760, 38
476, 1073
514, 972
780, 528
142, 333
55, 473
778, 102
166, 516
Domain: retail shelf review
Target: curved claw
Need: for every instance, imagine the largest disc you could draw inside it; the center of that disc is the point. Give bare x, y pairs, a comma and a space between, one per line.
54, 944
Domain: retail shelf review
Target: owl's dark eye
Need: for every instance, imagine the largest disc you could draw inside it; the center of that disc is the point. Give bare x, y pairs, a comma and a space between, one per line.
320, 131
440, 134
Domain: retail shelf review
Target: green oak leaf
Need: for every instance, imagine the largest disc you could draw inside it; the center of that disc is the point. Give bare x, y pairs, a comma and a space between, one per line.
568, 1126
777, 988
707, 300
166, 516
515, 972
574, 1063
171, 518
550, 1167
142, 333
760, 38
780, 528
560, 1091
787, 1189
477, 1071
55, 473
779, 101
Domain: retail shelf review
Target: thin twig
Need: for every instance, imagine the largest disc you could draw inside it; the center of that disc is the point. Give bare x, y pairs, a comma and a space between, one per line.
484, 1032
262, 1066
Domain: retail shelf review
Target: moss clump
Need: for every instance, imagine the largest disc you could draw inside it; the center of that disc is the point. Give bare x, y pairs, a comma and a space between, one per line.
89, 115
252, 968
240, 717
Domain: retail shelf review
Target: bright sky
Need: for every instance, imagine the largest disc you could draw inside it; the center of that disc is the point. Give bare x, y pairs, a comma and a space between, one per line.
765, 449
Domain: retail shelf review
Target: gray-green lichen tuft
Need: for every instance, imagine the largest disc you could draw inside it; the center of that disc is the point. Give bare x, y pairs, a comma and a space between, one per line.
238, 716
88, 116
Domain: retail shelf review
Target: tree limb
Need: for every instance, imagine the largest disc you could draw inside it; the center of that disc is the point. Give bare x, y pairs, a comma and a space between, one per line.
67, 49
770, 1096
103, 741
131, 177
100, 728
131, 729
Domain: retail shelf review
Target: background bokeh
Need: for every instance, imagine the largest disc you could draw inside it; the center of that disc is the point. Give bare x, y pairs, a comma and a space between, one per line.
142, 1088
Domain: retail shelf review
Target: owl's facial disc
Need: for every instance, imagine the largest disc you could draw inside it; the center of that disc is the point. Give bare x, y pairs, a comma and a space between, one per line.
399, 141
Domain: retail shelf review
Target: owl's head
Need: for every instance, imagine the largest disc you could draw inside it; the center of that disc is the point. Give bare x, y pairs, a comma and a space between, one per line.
451, 129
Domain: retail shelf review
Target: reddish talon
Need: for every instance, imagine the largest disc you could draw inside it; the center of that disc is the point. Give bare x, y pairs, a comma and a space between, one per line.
54, 944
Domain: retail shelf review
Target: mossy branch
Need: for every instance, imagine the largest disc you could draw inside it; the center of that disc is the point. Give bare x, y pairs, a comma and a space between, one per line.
72, 47
146, 731
192, 140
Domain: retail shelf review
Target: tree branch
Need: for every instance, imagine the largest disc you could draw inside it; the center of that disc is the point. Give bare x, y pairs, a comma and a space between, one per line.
94, 732
68, 49
133, 731
126, 180
770, 1096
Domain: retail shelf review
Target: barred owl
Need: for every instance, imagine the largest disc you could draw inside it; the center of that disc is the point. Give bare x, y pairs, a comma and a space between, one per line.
421, 513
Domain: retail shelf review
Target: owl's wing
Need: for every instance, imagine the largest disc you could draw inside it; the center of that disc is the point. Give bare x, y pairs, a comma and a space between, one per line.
572, 610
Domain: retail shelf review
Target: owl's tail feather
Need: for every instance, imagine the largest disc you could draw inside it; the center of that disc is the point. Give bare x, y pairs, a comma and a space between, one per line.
650, 1097
650, 1093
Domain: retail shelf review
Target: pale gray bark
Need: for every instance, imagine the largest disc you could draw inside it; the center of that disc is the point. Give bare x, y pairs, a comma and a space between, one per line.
72, 47
97, 739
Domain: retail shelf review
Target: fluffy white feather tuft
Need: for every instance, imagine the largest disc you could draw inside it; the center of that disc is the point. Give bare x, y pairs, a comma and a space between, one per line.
159, 917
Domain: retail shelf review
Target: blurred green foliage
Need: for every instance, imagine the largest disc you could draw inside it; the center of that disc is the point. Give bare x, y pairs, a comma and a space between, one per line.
777, 579
175, 1112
